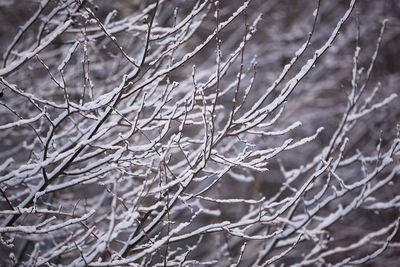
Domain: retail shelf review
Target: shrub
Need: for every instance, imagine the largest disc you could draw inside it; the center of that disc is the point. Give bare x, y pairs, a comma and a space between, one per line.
199, 133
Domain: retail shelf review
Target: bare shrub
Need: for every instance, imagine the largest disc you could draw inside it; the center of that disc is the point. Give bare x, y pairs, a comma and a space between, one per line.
187, 133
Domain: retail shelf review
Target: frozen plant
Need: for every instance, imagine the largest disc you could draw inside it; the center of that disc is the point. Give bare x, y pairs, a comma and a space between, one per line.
190, 133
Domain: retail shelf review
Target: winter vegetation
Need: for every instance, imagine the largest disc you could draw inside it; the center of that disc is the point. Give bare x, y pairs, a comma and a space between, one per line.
199, 133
